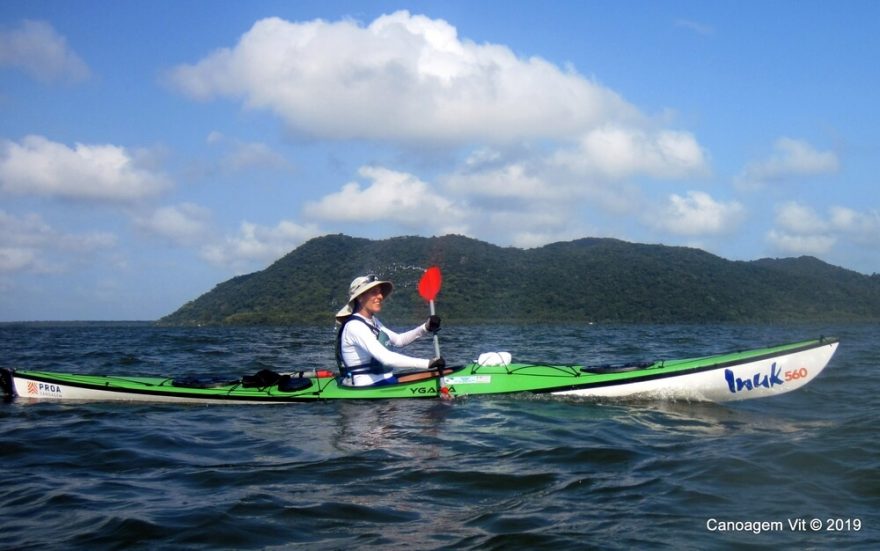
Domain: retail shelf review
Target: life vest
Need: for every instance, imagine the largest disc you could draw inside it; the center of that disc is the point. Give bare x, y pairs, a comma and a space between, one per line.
374, 366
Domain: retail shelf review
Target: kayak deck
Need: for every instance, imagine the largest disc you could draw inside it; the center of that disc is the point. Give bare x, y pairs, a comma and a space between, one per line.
722, 377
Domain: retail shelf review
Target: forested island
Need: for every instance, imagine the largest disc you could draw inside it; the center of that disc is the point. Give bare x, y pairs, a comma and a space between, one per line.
582, 281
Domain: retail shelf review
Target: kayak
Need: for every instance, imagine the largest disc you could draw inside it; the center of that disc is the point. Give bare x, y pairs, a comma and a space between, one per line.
725, 377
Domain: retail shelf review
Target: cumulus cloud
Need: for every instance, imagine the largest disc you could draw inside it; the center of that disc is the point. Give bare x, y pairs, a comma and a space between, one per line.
615, 152
519, 179
39, 166
539, 135
790, 159
256, 245
401, 78
391, 196
15, 259
29, 244
594, 170
697, 214
800, 229
412, 204
531, 227
183, 224
797, 218
788, 243
860, 223
36, 48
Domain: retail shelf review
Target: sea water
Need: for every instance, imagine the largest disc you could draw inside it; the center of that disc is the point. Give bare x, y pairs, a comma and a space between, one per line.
800, 470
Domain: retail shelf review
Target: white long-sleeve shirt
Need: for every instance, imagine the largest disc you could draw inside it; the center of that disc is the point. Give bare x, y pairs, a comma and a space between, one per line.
359, 345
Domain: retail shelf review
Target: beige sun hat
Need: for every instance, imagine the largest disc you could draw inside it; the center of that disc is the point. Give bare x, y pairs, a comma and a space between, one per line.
359, 286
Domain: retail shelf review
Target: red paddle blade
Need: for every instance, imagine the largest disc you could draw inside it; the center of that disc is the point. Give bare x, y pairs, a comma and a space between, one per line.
429, 285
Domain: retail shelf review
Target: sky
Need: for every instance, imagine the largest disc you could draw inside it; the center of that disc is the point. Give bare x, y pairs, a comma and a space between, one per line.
151, 150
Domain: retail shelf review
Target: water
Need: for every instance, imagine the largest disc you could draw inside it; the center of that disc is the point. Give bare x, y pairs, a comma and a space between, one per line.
476, 473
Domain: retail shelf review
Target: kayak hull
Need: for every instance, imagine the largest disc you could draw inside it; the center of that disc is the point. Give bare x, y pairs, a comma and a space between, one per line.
720, 378
727, 380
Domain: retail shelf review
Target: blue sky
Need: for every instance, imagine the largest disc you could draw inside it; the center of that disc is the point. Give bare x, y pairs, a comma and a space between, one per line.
151, 150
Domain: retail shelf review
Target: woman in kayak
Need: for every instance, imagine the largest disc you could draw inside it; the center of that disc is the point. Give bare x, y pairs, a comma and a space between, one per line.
362, 339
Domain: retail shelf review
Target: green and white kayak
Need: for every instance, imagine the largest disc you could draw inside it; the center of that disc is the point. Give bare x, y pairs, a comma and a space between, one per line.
718, 378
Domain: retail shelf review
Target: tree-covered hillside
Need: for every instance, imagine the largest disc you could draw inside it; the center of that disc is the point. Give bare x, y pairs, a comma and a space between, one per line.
587, 280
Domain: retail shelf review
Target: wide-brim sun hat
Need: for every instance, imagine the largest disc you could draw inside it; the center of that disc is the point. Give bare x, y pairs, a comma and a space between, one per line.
359, 286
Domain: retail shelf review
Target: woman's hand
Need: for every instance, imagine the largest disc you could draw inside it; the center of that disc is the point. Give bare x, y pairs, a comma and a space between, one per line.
433, 324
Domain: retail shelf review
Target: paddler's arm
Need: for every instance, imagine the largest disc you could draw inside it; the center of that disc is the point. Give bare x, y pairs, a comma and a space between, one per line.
363, 338
432, 325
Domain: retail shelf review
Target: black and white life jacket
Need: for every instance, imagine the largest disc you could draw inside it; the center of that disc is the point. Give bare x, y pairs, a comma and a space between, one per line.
374, 366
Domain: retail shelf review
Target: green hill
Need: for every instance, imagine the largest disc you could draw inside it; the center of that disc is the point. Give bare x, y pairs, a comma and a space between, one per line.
587, 280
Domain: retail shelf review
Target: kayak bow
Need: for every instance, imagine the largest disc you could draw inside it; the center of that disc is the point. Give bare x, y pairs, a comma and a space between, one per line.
719, 378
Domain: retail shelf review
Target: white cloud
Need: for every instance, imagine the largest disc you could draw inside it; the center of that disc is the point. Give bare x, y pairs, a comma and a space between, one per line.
15, 259
796, 218
790, 159
29, 244
595, 170
802, 230
518, 179
27, 230
615, 152
532, 228
697, 214
38, 166
392, 196
865, 226
541, 136
38, 49
401, 78
257, 245
790, 243
183, 224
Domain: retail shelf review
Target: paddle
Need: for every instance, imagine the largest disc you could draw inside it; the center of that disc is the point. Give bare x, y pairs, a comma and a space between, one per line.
429, 286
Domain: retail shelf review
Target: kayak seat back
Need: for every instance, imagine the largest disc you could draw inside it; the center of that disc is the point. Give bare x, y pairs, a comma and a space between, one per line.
293, 384
265, 378
261, 379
